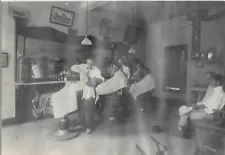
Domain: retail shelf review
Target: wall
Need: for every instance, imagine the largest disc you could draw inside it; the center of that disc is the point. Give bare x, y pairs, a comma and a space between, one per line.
8, 74
179, 31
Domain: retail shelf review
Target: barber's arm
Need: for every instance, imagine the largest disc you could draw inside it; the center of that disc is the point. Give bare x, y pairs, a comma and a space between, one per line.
79, 68
98, 75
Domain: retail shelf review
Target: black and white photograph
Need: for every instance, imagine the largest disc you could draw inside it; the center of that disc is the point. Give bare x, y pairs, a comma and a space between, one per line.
61, 16
112, 77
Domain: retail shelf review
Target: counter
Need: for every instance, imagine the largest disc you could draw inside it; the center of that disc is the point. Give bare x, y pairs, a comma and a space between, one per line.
28, 96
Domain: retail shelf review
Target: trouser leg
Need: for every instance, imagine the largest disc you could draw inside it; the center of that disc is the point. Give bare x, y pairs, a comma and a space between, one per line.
81, 113
194, 115
89, 113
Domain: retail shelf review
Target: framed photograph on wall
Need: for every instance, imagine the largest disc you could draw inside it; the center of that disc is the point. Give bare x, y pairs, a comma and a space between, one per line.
4, 59
61, 16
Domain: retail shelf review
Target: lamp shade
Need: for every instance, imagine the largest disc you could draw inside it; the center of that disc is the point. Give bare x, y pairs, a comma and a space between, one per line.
132, 51
86, 41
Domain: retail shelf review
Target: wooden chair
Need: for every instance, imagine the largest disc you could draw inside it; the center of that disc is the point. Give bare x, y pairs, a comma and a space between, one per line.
210, 135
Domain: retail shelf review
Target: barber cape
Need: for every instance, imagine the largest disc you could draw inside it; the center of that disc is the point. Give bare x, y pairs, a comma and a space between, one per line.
65, 100
143, 86
117, 82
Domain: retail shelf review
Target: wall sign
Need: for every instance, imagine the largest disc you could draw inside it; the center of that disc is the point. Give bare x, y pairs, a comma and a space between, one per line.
4, 60
61, 16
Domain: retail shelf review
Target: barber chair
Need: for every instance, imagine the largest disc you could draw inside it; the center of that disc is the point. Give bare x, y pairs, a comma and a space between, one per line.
144, 101
210, 135
112, 105
65, 130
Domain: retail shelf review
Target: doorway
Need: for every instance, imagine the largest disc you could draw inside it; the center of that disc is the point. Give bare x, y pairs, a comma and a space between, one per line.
175, 68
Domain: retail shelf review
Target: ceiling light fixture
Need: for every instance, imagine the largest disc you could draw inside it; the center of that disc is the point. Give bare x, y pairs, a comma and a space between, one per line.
132, 50
86, 41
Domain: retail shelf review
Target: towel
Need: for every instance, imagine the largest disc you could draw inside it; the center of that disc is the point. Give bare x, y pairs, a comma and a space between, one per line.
117, 82
143, 86
65, 100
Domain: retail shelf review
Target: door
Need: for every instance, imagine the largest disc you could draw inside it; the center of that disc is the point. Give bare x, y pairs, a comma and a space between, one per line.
175, 70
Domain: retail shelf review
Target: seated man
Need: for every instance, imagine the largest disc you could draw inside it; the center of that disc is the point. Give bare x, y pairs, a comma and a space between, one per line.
213, 100
115, 83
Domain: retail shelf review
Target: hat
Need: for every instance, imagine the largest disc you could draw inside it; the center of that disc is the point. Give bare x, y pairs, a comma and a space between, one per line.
184, 110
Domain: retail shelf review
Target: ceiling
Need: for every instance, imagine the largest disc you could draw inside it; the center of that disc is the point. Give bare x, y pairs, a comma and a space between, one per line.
158, 10
154, 10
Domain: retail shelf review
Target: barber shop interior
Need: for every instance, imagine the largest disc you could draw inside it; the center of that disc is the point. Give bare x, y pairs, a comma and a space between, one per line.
113, 77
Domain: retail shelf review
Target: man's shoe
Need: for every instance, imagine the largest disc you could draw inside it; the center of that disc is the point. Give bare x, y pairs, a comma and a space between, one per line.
79, 127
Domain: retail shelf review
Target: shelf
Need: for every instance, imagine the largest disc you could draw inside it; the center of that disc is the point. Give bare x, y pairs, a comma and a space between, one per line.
42, 83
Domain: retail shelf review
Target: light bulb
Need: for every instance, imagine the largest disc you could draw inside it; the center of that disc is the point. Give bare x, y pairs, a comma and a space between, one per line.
132, 51
86, 41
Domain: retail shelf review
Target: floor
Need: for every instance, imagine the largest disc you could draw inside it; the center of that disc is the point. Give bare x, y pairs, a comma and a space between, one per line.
110, 138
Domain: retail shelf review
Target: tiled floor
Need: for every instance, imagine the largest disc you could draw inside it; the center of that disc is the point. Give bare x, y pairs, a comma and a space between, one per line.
109, 138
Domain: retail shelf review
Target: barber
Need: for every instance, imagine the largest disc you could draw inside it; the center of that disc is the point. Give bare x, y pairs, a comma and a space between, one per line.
91, 75
131, 61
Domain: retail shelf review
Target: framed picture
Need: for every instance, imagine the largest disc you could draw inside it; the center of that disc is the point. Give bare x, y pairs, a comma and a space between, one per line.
61, 16
4, 59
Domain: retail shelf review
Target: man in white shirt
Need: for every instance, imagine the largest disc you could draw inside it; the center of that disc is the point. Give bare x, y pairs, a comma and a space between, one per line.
213, 100
90, 76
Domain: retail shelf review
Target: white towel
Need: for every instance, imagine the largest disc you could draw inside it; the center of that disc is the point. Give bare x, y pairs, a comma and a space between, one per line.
117, 82
65, 100
88, 92
146, 84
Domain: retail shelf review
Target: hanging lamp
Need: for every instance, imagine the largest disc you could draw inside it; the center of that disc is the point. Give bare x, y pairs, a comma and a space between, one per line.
86, 41
132, 50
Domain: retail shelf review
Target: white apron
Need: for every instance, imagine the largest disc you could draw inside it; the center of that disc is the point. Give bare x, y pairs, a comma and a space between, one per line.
65, 100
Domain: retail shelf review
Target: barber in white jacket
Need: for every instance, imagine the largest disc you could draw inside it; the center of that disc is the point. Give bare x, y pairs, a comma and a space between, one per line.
90, 76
